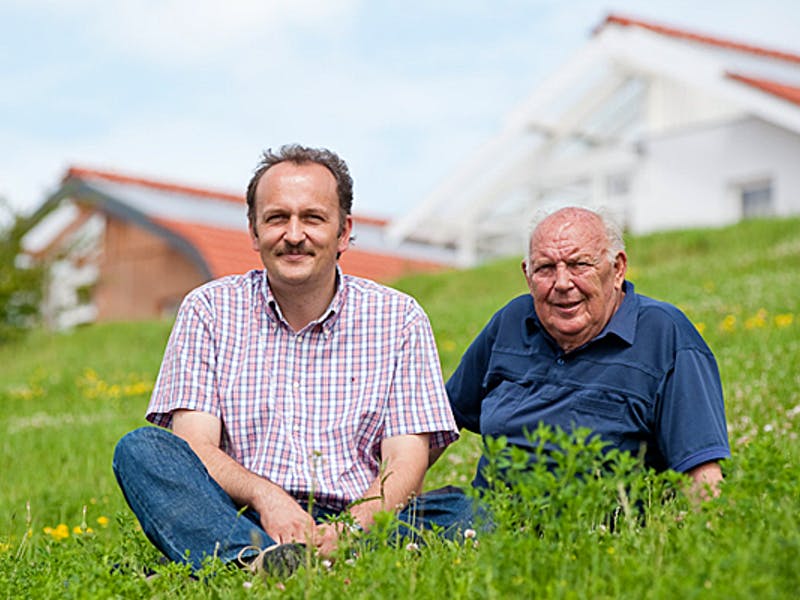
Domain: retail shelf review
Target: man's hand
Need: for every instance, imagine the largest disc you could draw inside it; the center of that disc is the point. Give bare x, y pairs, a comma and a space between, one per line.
283, 518
705, 481
326, 537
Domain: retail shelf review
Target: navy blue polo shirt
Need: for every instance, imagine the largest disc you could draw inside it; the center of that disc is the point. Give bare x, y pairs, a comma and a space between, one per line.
647, 379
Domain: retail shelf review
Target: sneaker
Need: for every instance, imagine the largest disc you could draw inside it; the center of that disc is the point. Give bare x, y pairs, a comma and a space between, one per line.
280, 560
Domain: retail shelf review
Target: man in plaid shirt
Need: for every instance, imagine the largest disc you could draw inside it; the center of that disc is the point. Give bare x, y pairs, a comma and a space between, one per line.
291, 392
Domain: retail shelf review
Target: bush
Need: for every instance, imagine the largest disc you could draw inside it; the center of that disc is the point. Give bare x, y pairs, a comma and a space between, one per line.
20, 287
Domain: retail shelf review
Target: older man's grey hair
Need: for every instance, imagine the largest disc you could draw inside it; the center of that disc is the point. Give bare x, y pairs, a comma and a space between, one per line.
616, 242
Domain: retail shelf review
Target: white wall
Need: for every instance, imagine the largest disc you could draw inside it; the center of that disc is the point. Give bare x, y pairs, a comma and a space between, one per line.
686, 179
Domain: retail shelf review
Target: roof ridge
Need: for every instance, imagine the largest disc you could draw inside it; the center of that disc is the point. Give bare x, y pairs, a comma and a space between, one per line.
676, 32
116, 177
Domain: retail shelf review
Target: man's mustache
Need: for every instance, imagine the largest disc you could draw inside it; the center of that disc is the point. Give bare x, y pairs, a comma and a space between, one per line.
300, 248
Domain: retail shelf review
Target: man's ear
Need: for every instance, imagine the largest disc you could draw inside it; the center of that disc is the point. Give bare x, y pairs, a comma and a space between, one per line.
344, 235
527, 275
253, 239
620, 269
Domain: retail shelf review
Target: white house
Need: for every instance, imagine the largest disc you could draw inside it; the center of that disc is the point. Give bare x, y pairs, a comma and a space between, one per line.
665, 127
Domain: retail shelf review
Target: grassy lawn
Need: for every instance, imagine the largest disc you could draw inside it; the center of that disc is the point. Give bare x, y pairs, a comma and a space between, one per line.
67, 398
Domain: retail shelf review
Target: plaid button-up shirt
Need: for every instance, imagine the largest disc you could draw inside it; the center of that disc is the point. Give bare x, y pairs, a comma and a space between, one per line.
307, 409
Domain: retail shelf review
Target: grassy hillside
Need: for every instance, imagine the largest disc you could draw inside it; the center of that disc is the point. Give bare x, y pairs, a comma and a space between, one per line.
67, 398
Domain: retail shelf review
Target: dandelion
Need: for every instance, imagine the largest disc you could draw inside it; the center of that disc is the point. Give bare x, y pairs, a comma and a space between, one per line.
60, 532
728, 323
102, 521
701, 328
784, 320
757, 321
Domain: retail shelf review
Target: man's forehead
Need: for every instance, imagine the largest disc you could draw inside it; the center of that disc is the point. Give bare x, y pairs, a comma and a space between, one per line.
571, 232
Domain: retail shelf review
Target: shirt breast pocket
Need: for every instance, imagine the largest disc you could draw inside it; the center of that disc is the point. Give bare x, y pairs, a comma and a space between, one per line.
614, 415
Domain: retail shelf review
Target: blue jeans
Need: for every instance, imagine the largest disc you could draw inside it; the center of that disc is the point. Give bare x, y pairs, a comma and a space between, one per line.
188, 516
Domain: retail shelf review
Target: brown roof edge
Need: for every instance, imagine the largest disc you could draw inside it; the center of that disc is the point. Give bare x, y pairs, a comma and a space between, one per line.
783, 91
164, 186
115, 177
613, 19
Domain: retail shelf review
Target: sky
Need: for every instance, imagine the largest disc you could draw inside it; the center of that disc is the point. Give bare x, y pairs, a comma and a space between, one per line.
192, 91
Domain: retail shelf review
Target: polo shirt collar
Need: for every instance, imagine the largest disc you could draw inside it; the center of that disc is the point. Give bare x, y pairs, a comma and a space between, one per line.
621, 325
623, 322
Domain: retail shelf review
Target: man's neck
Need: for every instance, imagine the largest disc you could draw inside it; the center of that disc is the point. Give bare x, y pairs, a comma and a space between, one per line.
301, 306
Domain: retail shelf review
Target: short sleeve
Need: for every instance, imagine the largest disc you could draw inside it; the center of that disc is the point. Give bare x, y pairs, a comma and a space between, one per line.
691, 427
187, 377
417, 399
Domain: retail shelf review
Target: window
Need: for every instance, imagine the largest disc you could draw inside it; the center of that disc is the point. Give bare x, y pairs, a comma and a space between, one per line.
756, 199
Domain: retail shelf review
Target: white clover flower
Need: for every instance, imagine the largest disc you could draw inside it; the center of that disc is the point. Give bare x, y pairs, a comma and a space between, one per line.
469, 533
412, 547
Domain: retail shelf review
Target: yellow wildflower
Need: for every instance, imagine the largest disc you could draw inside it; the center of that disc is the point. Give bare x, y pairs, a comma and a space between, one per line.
728, 323
59, 533
102, 521
701, 327
784, 320
758, 320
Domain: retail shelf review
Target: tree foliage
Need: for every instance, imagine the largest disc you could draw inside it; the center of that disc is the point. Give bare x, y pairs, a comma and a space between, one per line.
20, 286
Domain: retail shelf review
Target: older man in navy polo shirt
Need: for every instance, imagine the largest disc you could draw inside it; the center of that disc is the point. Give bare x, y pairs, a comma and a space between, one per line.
584, 350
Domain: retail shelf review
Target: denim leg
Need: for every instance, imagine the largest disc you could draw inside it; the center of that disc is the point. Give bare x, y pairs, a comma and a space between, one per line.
448, 508
179, 505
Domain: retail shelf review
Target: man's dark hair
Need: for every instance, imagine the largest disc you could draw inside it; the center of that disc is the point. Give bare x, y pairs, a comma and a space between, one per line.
300, 155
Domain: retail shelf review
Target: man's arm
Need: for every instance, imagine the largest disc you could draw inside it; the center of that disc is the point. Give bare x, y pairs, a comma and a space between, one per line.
282, 517
406, 459
705, 481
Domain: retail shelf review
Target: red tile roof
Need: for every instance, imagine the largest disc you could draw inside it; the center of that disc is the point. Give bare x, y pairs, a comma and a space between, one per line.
384, 267
225, 251
786, 92
697, 37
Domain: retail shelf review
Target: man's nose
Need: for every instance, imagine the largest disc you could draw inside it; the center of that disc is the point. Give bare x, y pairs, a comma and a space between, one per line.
295, 233
563, 277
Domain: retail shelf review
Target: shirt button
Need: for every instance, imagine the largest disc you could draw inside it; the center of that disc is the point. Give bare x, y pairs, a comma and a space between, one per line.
560, 361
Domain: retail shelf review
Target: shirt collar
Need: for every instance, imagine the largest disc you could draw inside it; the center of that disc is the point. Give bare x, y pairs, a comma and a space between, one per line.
622, 323
329, 316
